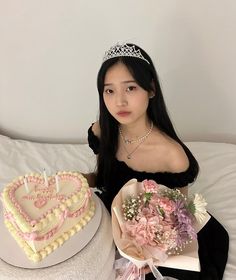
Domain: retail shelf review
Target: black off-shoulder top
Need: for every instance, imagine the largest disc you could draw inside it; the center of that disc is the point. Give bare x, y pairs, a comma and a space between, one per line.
122, 173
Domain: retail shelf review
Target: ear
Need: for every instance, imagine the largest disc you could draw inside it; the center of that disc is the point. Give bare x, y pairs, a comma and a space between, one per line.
151, 94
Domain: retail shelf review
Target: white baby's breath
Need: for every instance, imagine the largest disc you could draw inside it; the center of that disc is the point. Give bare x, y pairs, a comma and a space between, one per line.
200, 207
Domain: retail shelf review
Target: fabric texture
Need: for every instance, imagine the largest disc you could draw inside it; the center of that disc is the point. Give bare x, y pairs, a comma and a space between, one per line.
213, 238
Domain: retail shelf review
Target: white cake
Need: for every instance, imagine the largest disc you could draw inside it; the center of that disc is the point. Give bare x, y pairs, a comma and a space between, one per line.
42, 212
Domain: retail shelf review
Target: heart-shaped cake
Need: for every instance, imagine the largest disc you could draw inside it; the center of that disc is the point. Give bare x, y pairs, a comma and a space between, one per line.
43, 212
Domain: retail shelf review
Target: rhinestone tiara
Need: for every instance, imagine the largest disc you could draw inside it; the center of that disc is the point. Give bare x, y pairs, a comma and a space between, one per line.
119, 50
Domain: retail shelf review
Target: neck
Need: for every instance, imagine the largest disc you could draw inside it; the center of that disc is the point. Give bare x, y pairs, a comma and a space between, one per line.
136, 131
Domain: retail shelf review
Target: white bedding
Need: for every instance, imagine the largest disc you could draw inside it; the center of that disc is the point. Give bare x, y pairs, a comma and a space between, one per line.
217, 182
217, 179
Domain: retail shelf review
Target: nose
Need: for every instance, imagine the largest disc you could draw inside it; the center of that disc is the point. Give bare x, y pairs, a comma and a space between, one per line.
121, 99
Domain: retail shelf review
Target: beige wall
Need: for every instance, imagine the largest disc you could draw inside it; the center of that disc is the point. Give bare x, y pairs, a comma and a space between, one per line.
50, 52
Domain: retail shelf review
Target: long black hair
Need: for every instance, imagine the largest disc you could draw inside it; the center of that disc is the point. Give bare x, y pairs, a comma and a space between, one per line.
145, 75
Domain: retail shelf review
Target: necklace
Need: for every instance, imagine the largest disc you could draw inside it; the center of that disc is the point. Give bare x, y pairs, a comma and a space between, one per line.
140, 140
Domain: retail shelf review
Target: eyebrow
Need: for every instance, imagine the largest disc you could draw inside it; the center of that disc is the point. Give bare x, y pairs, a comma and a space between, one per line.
124, 82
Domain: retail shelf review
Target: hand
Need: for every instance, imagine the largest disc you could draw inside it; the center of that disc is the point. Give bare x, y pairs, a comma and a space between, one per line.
146, 269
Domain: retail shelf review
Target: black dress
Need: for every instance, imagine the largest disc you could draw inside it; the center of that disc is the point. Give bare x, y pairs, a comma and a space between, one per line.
213, 239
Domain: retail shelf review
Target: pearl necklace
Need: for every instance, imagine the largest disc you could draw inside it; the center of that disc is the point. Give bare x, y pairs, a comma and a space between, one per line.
140, 140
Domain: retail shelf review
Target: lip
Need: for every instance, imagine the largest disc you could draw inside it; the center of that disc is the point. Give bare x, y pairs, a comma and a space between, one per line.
123, 113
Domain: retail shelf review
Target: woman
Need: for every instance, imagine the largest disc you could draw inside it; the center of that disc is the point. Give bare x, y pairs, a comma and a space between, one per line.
134, 138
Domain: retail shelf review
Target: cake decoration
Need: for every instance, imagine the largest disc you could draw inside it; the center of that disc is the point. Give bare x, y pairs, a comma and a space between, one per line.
42, 212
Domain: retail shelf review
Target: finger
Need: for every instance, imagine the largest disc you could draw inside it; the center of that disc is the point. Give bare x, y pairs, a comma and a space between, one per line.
146, 269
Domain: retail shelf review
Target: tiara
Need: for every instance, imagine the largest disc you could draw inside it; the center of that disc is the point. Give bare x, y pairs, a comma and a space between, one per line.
119, 50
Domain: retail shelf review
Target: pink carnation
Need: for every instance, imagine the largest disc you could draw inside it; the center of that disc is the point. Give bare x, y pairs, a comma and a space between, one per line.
144, 230
166, 204
148, 212
150, 186
161, 218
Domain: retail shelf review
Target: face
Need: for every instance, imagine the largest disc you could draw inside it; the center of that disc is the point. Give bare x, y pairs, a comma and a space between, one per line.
125, 100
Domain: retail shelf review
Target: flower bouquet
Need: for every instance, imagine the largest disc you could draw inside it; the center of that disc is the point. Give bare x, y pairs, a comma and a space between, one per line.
155, 226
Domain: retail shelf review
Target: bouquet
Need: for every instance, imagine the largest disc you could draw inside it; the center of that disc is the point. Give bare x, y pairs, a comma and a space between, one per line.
151, 223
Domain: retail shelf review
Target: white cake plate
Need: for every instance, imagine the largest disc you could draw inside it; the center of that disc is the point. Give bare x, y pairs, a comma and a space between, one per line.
11, 253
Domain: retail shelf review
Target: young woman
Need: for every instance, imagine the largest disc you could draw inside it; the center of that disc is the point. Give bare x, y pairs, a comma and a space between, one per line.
134, 138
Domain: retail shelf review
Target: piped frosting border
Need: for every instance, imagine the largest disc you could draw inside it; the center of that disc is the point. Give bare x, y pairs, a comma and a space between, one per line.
38, 256
30, 225
14, 215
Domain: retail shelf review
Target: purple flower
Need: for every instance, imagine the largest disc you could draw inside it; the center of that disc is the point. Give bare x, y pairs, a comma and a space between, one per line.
183, 223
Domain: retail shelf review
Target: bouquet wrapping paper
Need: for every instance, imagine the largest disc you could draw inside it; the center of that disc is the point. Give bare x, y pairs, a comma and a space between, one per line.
137, 257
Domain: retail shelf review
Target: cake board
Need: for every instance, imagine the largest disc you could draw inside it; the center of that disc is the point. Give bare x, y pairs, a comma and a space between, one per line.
11, 253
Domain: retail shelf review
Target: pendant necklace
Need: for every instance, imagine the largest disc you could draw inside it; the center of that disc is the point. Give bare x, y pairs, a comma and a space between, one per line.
139, 140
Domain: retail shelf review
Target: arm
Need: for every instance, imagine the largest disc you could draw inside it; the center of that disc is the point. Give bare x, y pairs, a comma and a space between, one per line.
91, 177
179, 162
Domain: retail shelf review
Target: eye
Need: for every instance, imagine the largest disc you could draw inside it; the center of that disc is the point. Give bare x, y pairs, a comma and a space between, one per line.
108, 91
131, 88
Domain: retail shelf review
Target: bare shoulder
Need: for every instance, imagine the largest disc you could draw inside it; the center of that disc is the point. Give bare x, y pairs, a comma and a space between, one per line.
177, 158
96, 129
167, 154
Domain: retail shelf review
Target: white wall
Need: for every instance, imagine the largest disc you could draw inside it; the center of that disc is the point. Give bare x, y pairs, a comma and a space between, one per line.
50, 52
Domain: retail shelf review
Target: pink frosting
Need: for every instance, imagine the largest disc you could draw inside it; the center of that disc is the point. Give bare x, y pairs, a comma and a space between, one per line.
38, 180
34, 235
65, 214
